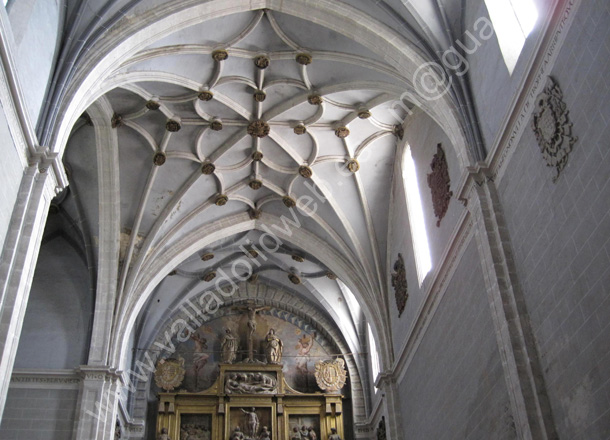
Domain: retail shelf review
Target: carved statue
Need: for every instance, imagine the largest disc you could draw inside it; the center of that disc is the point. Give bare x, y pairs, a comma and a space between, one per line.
311, 434
164, 435
229, 346
252, 421
304, 432
251, 310
296, 435
199, 357
333, 434
237, 434
265, 435
273, 348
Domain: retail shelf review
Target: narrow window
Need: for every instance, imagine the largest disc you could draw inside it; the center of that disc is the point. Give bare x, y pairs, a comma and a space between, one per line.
513, 20
416, 217
374, 354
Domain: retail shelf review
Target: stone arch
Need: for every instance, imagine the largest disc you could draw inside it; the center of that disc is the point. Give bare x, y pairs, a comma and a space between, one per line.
282, 300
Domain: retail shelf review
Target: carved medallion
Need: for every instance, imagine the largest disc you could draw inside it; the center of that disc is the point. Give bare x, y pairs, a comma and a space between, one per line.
298, 258
259, 96
353, 165
331, 276
314, 99
342, 132
116, 121
205, 95
169, 373
304, 59
221, 200
398, 131
305, 171
552, 127
208, 168
159, 158
399, 283
172, 126
257, 156
209, 276
300, 129
220, 55
331, 375
255, 184
294, 278
261, 61
364, 114
207, 257
216, 125
258, 128
153, 105
254, 213
439, 183
289, 202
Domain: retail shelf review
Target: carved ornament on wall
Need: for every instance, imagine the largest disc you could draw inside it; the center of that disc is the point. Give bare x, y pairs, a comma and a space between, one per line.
439, 183
399, 283
169, 373
331, 375
552, 127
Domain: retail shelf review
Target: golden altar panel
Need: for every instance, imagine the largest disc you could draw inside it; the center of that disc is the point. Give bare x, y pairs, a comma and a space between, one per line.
251, 396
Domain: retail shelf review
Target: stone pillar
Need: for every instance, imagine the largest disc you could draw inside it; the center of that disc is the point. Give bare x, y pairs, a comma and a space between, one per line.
524, 379
389, 389
17, 265
100, 391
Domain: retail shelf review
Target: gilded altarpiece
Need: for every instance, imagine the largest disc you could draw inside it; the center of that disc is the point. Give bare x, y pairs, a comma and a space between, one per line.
210, 398
214, 414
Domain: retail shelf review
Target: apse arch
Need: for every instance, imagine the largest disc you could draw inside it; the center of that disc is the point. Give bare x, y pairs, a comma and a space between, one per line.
290, 305
167, 259
106, 54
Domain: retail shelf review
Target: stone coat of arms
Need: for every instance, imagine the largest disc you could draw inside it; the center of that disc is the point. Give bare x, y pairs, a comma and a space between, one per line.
552, 127
331, 375
169, 373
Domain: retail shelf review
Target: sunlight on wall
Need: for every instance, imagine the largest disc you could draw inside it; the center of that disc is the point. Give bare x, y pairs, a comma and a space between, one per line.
416, 217
374, 354
513, 21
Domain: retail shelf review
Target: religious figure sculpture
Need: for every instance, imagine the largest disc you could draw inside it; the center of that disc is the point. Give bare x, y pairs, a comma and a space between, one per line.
333, 434
273, 348
296, 435
237, 434
164, 435
229, 345
251, 311
265, 435
252, 422
311, 434
304, 432
199, 357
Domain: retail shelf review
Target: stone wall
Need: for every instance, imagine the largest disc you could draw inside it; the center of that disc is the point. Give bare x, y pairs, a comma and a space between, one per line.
41, 408
560, 234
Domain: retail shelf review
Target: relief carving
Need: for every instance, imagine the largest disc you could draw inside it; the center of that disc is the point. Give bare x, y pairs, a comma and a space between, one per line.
331, 375
399, 283
169, 373
250, 383
552, 127
439, 183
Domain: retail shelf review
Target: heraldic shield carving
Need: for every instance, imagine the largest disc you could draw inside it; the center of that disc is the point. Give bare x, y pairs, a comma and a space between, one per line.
552, 127
399, 283
169, 373
331, 375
